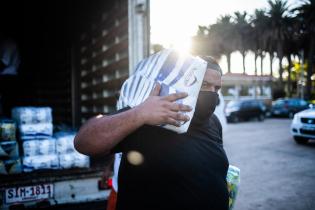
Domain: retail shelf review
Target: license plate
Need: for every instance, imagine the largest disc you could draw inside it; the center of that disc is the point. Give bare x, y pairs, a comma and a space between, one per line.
28, 193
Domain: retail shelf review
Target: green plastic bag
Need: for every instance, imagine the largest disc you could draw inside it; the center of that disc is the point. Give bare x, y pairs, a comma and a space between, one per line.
233, 182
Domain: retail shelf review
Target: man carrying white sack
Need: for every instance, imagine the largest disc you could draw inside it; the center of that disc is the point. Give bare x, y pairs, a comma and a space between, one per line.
160, 168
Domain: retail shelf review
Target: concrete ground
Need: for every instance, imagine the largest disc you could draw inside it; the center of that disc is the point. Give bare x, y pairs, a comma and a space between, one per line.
276, 173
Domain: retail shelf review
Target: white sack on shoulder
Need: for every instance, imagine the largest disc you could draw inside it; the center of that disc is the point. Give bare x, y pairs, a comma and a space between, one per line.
174, 72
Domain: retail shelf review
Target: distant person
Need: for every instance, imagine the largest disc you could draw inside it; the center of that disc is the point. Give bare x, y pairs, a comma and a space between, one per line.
9, 56
188, 171
9, 65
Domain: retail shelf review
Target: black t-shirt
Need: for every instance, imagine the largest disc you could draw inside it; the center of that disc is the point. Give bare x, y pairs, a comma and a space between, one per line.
179, 171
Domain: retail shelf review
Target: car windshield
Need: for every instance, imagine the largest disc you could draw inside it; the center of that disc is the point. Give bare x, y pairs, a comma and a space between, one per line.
233, 104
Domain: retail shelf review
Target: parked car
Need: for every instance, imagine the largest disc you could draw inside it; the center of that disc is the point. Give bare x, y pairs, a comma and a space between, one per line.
303, 125
237, 110
288, 107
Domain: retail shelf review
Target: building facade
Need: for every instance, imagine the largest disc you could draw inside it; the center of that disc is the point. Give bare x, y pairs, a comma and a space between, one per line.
242, 86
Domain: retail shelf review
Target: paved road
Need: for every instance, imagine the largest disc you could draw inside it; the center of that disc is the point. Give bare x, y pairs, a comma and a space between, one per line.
276, 173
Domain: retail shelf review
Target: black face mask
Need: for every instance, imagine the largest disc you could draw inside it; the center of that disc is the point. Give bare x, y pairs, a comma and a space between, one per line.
206, 103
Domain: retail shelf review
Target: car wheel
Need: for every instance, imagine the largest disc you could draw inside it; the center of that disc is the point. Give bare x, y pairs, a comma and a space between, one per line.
236, 119
268, 114
291, 115
261, 117
300, 140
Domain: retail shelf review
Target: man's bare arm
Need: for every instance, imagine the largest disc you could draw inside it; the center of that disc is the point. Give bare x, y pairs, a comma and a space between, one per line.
100, 134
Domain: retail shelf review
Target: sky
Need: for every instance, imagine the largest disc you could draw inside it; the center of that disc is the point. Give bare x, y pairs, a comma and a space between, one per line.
174, 22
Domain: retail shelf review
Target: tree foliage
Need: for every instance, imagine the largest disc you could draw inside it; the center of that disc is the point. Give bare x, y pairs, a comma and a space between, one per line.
277, 31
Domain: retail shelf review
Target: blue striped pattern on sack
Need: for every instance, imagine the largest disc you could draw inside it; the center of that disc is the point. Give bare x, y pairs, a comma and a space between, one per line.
169, 69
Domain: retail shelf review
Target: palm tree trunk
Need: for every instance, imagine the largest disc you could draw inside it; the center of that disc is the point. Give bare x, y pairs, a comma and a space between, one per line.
271, 60
262, 56
256, 55
280, 71
289, 76
310, 69
244, 70
280, 56
261, 70
228, 59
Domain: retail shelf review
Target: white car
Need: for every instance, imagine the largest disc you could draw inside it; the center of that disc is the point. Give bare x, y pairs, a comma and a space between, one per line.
303, 126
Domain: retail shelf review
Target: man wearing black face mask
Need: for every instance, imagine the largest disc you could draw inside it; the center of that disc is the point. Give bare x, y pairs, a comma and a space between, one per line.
161, 169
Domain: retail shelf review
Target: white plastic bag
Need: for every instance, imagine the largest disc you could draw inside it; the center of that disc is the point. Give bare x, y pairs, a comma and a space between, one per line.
39, 147
74, 160
32, 115
32, 163
64, 142
33, 131
233, 181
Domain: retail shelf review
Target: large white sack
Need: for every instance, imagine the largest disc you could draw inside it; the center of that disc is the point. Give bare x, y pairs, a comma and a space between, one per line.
174, 72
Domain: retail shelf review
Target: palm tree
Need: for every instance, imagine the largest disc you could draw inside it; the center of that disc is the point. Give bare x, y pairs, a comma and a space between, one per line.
259, 36
221, 35
306, 15
243, 30
291, 48
200, 42
277, 30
